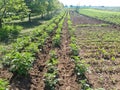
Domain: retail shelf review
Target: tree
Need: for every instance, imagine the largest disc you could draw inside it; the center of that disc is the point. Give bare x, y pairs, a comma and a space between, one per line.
11, 8
53, 5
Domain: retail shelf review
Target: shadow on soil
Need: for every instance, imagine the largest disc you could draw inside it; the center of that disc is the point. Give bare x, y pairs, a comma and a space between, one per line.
21, 83
35, 22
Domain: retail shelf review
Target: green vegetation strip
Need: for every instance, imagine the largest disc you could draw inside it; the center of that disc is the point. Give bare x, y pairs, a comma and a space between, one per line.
80, 66
22, 55
109, 16
93, 25
51, 77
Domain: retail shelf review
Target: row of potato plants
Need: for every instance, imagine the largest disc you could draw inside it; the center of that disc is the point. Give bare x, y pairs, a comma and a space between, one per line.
80, 66
51, 77
22, 55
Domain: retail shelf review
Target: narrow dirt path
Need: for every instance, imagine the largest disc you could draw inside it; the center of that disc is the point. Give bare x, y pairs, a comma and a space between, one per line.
40, 67
66, 66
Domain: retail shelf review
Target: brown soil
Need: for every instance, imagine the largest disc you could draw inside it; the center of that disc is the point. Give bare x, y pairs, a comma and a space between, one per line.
35, 79
102, 73
67, 77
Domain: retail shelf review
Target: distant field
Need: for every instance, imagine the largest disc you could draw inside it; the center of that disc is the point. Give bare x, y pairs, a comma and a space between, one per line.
108, 8
109, 16
99, 45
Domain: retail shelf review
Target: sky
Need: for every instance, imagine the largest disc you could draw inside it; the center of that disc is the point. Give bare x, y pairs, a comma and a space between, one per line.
92, 2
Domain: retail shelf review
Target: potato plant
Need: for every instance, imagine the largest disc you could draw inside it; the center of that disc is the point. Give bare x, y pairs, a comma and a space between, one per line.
51, 77
7, 32
56, 40
80, 66
20, 63
22, 55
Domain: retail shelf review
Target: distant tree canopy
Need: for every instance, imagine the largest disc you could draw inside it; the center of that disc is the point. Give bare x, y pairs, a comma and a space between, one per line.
43, 6
20, 8
12, 8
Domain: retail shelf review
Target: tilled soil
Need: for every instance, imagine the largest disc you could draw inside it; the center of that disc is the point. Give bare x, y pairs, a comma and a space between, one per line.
102, 73
35, 79
67, 77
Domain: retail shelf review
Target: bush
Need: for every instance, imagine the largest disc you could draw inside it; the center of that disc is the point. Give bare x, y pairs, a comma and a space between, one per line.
19, 63
7, 32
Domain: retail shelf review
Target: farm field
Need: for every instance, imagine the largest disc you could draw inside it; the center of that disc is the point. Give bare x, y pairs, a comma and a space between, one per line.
44, 60
99, 44
44, 46
108, 16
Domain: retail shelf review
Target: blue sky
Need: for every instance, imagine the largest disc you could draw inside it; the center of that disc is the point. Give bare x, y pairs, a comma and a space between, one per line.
92, 2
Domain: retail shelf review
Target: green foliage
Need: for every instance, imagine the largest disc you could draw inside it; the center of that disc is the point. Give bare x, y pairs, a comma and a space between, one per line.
21, 43
38, 32
50, 80
33, 48
53, 60
21, 55
108, 16
7, 32
73, 39
56, 40
80, 68
57, 20
11, 8
52, 73
3, 84
69, 22
58, 31
50, 28
19, 63
85, 86
74, 49
53, 54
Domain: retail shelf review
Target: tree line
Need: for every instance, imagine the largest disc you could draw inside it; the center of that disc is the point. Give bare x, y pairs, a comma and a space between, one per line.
11, 9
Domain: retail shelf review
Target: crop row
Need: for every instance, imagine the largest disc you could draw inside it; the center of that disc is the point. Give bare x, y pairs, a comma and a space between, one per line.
51, 76
23, 52
109, 16
80, 66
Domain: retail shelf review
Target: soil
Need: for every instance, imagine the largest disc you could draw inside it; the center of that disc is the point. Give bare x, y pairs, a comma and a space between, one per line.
102, 73
67, 77
35, 79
